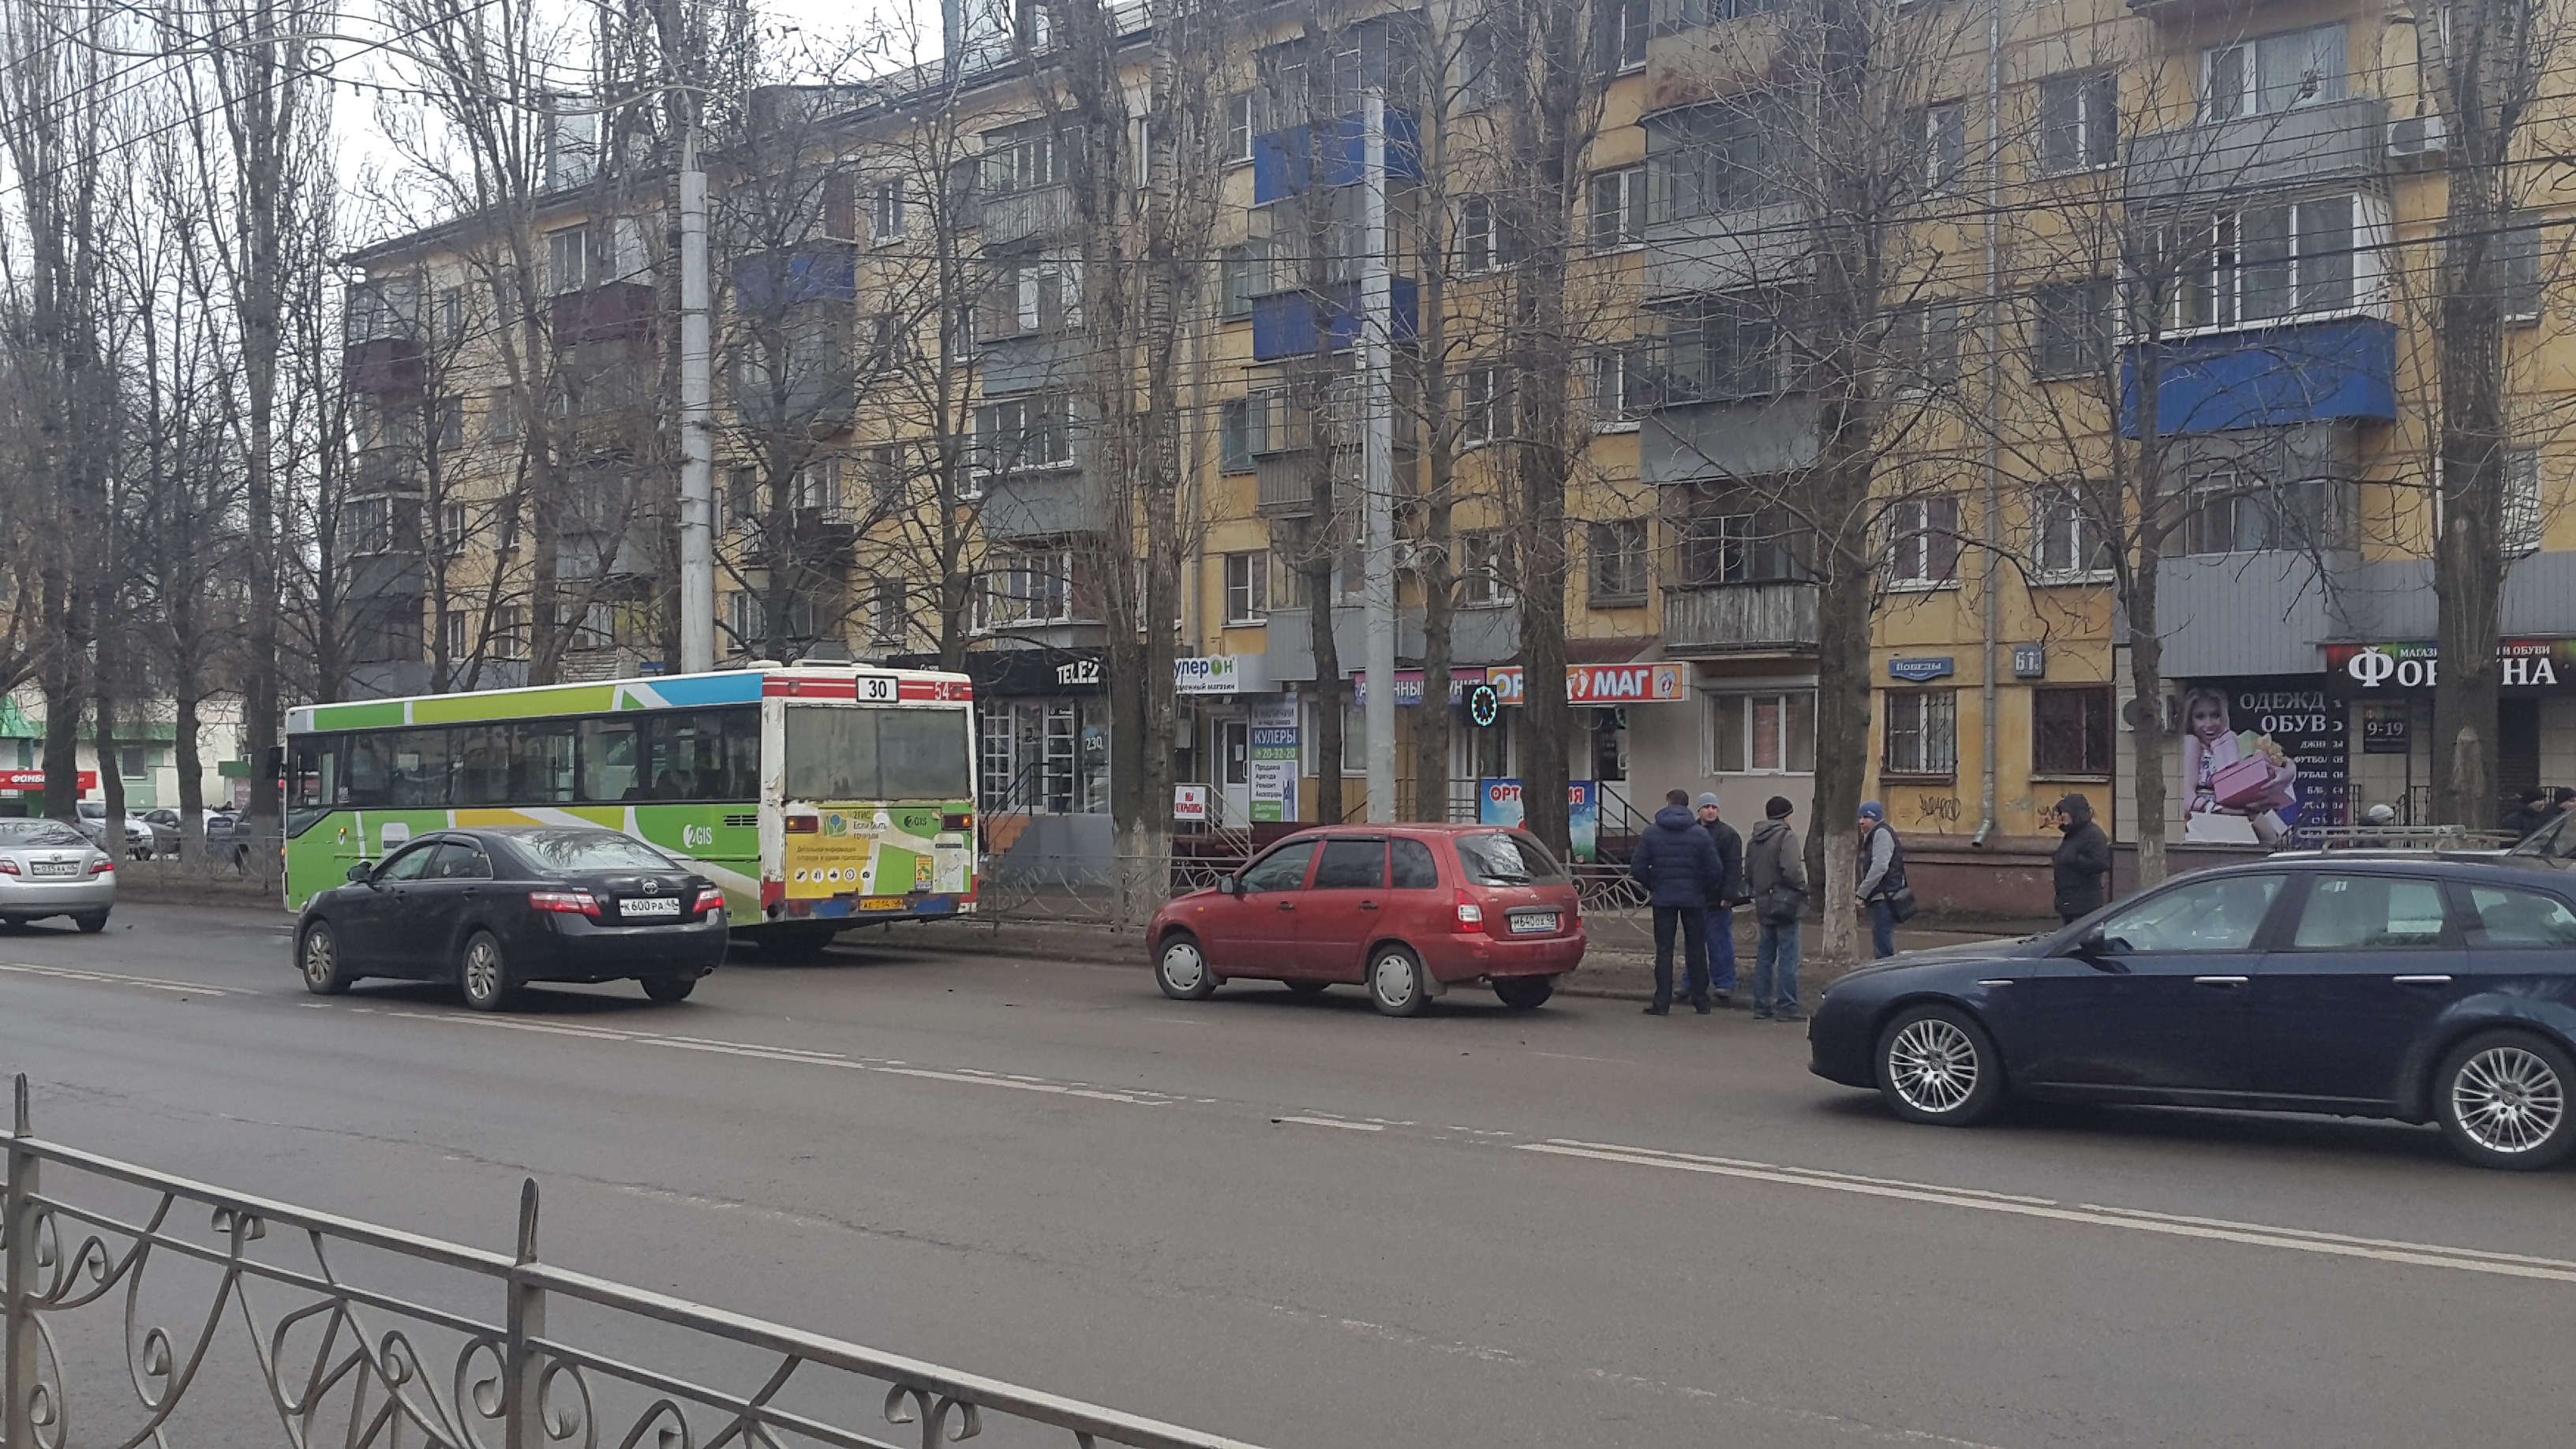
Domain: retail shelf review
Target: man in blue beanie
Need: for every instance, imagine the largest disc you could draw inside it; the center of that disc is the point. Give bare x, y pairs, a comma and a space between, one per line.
1882, 874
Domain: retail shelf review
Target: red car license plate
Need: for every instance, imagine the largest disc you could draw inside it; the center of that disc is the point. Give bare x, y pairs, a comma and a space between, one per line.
1531, 923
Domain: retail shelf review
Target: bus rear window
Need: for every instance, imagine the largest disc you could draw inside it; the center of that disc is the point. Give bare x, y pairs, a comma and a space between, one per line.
840, 753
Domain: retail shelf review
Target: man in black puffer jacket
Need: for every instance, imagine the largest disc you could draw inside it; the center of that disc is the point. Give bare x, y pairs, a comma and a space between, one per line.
2082, 866
1679, 867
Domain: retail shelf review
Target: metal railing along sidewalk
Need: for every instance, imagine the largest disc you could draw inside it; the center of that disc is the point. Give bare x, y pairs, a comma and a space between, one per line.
363, 1358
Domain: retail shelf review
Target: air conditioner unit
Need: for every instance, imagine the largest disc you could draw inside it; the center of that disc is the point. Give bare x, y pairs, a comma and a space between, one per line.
2415, 136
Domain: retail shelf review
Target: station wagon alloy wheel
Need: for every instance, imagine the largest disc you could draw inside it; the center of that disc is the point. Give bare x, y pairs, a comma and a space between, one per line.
1933, 1065
2502, 1098
2508, 1099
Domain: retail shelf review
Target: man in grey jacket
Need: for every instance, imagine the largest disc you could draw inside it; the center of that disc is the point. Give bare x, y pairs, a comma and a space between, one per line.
1775, 875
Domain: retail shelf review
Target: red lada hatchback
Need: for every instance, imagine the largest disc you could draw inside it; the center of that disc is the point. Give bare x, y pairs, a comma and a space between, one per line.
1407, 910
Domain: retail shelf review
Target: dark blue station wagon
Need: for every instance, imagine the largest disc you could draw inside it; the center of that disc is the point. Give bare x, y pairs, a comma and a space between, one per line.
2412, 986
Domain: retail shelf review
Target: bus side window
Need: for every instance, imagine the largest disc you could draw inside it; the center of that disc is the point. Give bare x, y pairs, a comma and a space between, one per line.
742, 753
541, 762
482, 756
370, 765
419, 769
317, 773
610, 750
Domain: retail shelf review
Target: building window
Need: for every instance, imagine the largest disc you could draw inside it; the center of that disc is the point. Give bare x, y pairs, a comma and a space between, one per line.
1022, 433
1945, 146
1484, 572
1618, 217
2070, 732
2266, 76
567, 260
885, 212
453, 632
1923, 344
1484, 405
2078, 121
133, 762
1762, 734
1618, 388
501, 415
1624, 28
2266, 263
888, 479
510, 632
1026, 588
451, 313
1733, 347
1923, 543
1247, 588
455, 526
1234, 435
2522, 273
2070, 329
2068, 536
1485, 236
1031, 295
1714, 159
1240, 110
2520, 522
889, 614
1244, 272
2237, 513
1693, 13
818, 487
1024, 158
1922, 732
1735, 540
1618, 554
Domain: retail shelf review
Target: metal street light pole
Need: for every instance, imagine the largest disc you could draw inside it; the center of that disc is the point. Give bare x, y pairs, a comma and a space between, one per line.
697, 421
1378, 466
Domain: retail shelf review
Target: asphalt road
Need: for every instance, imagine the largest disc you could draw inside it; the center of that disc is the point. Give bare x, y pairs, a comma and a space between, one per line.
1291, 1221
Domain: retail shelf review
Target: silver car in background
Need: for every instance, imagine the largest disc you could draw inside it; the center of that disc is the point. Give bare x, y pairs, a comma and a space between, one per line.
49, 869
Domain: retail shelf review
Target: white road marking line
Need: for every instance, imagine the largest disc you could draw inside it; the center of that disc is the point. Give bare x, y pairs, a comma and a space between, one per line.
2459, 1260
109, 978
1573, 1057
2336, 1237
1332, 1122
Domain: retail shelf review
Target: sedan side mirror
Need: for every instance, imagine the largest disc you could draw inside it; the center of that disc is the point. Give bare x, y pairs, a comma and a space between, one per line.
362, 874
2093, 948
1227, 886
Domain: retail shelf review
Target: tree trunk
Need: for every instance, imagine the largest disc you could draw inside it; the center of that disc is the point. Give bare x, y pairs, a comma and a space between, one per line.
192, 784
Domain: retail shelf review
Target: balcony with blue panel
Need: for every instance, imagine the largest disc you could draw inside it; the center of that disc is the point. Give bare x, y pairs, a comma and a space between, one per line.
1296, 159
2339, 370
1302, 323
820, 272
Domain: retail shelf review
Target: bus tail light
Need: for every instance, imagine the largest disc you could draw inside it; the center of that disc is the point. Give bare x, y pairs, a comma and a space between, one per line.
709, 899
1471, 915
568, 903
804, 824
958, 820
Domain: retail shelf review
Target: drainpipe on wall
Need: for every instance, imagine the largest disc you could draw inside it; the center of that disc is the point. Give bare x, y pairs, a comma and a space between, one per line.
1991, 531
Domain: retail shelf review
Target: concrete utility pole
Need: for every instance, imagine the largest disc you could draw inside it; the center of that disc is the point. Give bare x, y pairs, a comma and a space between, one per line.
697, 422
1377, 460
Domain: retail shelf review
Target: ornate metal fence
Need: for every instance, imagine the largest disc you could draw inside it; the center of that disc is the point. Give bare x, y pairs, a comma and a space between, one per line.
366, 1336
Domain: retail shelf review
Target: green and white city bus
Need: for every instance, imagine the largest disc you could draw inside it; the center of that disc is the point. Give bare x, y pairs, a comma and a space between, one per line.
818, 797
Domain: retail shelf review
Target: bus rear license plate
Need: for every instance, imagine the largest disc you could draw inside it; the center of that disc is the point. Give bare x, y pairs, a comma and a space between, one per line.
884, 903
1530, 923
649, 906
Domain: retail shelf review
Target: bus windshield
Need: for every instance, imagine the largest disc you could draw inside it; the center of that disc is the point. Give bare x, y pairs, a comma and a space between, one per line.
840, 753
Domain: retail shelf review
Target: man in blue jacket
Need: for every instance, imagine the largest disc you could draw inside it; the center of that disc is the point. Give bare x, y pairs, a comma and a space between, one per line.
1678, 865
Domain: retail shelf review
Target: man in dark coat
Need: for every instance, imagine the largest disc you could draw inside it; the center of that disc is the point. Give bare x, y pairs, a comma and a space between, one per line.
1679, 868
2533, 814
2082, 866
1722, 897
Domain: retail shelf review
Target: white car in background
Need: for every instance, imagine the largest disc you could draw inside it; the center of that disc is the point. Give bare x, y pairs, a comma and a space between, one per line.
49, 869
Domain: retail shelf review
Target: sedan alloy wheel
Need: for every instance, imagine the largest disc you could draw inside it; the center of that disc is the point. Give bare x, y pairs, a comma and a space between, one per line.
482, 975
323, 973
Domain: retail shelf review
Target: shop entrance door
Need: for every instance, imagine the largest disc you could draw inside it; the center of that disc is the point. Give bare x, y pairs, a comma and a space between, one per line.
1234, 769
2517, 747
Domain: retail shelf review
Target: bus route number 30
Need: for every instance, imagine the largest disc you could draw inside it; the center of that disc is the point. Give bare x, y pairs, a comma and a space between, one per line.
876, 689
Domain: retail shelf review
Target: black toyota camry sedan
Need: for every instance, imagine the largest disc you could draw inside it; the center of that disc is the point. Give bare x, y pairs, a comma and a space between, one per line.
2397, 985
490, 909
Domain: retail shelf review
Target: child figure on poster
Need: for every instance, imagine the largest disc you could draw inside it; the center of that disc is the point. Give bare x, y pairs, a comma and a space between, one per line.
2209, 745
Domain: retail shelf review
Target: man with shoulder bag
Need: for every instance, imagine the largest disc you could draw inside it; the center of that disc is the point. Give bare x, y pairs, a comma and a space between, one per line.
1884, 895
1775, 876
